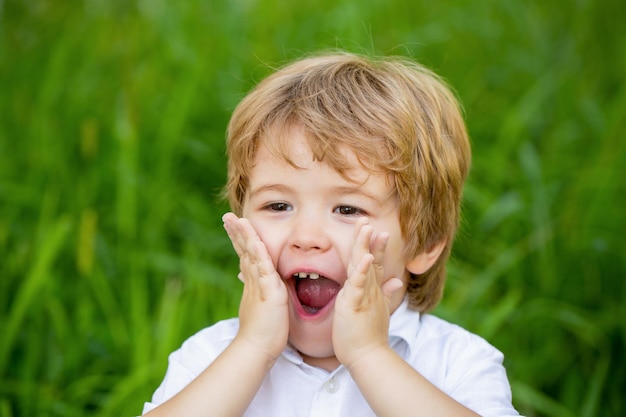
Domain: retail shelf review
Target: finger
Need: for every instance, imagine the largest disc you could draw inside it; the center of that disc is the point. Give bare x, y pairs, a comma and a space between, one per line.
246, 243
242, 235
231, 225
360, 222
361, 246
255, 261
250, 239
390, 286
355, 288
378, 248
363, 235
249, 264
269, 282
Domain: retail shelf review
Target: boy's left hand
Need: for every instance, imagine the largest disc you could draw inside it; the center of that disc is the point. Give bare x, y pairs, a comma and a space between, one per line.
362, 307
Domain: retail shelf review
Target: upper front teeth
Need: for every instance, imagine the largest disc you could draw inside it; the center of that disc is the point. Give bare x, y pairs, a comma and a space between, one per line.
311, 275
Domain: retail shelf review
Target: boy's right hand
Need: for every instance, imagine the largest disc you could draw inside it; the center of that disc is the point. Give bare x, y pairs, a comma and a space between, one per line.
263, 312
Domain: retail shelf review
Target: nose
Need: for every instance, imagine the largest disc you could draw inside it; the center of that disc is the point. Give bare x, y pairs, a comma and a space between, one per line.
309, 233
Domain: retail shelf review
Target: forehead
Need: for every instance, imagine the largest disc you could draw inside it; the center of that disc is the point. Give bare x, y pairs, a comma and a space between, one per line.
295, 166
294, 148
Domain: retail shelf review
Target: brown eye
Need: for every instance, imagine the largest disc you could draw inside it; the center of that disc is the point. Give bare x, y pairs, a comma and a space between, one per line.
279, 207
347, 210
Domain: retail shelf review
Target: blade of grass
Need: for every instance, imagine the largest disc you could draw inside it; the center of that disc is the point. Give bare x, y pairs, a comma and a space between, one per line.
546, 406
46, 254
591, 400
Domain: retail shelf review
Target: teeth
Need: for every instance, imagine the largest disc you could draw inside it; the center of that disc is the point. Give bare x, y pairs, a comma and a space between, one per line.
312, 275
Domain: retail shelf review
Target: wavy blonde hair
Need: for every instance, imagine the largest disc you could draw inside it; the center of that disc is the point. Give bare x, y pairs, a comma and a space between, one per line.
395, 115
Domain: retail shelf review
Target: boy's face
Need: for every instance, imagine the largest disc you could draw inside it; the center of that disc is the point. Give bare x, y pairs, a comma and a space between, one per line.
306, 217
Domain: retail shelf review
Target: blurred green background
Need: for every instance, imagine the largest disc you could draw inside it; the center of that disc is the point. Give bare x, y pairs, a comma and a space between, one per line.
112, 120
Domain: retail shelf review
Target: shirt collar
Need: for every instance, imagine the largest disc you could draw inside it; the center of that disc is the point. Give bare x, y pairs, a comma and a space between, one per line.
404, 324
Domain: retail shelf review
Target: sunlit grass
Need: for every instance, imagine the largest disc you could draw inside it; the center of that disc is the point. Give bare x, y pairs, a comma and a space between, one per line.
112, 120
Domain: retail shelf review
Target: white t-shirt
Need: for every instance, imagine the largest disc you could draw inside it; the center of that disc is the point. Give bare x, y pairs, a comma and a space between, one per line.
461, 364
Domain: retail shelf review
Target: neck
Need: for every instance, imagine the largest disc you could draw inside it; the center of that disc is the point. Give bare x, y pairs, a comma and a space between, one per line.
328, 364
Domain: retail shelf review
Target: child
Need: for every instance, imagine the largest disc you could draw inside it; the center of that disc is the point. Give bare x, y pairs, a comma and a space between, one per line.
345, 176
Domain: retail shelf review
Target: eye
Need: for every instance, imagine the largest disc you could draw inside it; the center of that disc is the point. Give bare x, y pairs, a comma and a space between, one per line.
349, 211
278, 207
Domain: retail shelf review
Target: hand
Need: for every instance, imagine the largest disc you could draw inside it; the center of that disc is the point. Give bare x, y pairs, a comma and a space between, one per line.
263, 311
362, 307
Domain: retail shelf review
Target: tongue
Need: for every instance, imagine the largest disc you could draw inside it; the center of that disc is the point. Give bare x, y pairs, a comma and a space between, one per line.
316, 293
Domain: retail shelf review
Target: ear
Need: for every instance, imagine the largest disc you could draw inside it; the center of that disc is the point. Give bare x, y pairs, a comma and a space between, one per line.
422, 262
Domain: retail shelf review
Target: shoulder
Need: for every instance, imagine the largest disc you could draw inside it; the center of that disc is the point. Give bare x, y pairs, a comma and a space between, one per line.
448, 354
463, 365
220, 331
213, 338
195, 354
200, 349
434, 330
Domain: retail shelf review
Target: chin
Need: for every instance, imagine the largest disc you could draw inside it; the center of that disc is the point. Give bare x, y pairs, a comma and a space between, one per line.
320, 356
312, 340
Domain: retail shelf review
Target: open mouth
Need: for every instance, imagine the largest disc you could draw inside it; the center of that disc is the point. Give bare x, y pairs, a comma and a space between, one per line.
314, 291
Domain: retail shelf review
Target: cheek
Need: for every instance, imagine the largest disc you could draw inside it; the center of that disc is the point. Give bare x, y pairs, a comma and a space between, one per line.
342, 237
271, 236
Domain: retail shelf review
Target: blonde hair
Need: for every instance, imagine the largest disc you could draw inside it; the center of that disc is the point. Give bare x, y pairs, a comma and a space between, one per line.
395, 115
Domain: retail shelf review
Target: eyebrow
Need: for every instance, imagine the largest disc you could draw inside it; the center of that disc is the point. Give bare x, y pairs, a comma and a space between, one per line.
346, 190
269, 187
340, 190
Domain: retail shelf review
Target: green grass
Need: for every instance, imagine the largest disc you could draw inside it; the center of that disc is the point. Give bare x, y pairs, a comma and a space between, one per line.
112, 120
